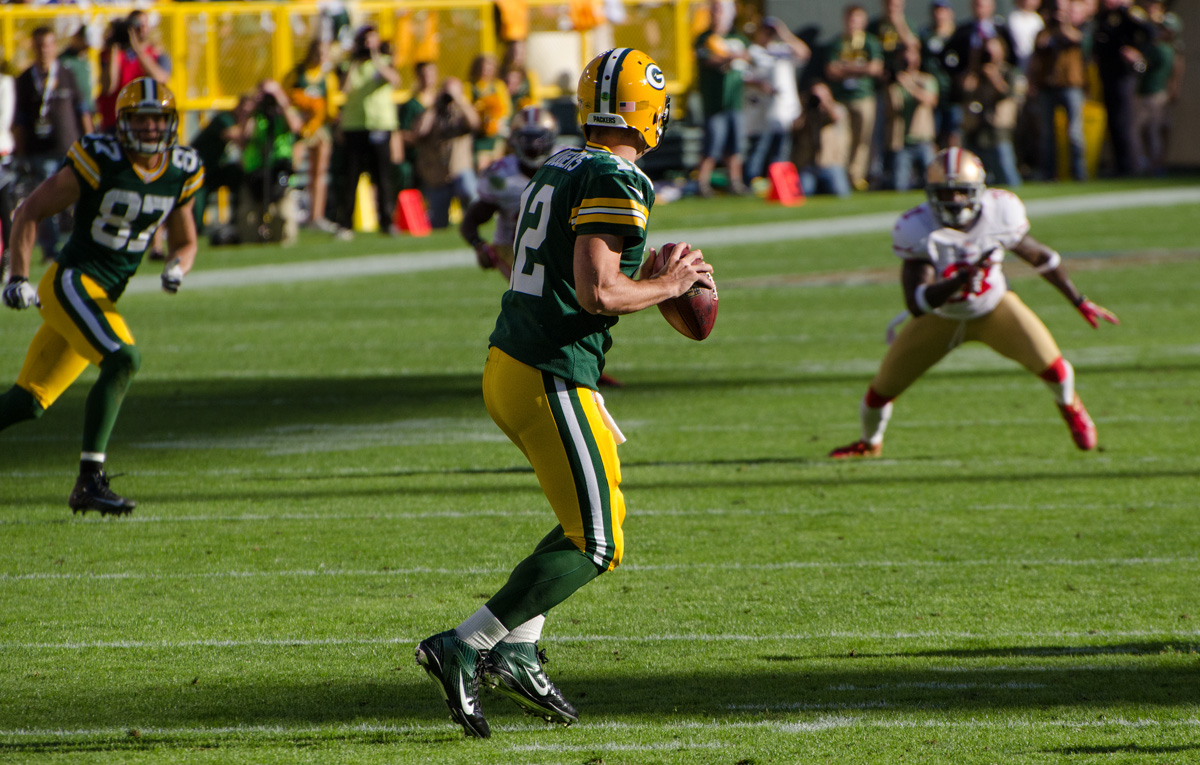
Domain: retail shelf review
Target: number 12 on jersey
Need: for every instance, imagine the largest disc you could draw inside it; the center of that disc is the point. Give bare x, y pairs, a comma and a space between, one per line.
530, 238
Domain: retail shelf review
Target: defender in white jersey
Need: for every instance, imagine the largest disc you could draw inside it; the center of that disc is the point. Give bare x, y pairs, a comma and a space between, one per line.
531, 138
953, 249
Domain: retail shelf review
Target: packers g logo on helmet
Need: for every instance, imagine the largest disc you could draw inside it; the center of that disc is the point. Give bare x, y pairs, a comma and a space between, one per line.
146, 96
625, 88
655, 77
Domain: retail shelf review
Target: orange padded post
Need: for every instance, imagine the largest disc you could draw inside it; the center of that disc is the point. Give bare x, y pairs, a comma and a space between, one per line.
410, 213
785, 184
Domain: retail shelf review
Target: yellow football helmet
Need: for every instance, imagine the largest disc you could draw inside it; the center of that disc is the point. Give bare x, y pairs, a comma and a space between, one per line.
954, 184
531, 136
624, 88
146, 96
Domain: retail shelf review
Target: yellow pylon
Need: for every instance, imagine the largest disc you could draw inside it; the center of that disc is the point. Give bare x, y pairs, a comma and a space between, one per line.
366, 217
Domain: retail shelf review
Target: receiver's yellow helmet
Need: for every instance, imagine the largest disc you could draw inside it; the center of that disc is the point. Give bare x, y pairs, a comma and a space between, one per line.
145, 96
624, 88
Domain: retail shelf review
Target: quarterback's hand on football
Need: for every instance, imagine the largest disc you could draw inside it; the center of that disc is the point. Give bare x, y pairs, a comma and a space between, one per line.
679, 262
172, 276
1093, 313
19, 294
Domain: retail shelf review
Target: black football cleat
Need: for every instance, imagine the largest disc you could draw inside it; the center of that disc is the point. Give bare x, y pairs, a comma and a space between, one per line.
515, 670
91, 492
454, 667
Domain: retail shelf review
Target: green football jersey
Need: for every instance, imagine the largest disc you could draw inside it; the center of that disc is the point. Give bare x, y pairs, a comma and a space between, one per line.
577, 191
120, 206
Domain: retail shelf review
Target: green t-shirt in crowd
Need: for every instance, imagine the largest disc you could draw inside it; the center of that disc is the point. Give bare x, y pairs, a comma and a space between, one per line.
720, 88
864, 49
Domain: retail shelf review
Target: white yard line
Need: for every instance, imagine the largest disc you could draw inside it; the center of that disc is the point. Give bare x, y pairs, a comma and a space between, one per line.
632, 567
461, 257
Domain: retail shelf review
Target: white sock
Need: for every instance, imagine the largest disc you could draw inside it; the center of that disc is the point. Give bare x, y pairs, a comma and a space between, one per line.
92, 456
529, 632
481, 630
1063, 390
874, 421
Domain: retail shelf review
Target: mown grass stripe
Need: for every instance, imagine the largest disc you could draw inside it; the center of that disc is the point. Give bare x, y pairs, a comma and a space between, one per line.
425, 570
659, 727
665, 638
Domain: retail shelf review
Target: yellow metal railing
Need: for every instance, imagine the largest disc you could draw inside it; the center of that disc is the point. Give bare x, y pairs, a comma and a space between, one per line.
220, 50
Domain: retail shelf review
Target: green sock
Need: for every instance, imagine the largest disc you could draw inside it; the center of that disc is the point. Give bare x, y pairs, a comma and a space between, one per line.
104, 399
550, 575
18, 405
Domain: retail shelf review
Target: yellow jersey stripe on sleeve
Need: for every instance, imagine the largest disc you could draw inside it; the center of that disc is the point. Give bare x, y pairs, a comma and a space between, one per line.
193, 185
84, 165
622, 202
620, 220
627, 215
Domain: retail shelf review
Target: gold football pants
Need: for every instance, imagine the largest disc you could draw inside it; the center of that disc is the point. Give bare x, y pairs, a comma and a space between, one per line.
80, 325
559, 428
1012, 330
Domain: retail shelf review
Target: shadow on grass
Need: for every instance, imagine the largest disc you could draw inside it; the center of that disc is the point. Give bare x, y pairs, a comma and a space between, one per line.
158, 410
750, 685
310, 488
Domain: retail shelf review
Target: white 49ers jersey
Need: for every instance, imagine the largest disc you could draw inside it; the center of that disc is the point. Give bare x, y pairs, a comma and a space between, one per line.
1001, 224
501, 185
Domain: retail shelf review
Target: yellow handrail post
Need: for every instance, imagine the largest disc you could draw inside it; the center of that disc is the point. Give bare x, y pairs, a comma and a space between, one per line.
211, 54
284, 58
178, 35
7, 35
487, 30
683, 42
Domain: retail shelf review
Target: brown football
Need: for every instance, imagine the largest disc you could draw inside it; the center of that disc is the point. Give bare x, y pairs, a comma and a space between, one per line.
693, 313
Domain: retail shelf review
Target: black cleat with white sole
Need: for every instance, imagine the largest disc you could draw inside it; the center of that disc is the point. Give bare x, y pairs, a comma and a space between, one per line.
455, 667
515, 670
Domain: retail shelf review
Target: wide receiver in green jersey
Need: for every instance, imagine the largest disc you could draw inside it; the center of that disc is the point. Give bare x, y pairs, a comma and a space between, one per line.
123, 187
580, 239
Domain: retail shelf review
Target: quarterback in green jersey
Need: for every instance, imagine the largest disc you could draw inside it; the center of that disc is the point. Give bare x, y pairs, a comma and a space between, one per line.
580, 239
124, 187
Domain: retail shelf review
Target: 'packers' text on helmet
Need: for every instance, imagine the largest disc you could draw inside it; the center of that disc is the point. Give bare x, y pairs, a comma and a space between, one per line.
531, 136
954, 184
624, 88
145, 96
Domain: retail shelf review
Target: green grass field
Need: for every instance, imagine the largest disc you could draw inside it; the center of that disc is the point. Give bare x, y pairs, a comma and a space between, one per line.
321, 487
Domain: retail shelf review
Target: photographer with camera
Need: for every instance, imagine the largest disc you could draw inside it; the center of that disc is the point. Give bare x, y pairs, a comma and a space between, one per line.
445, 151
370, 127
266, 205
127, 55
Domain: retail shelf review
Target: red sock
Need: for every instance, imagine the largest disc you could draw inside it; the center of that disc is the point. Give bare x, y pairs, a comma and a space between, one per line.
874, 400
1057, 371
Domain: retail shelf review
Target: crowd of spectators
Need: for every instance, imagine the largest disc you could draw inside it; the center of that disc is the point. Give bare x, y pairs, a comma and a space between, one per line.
859, 107
881, 94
